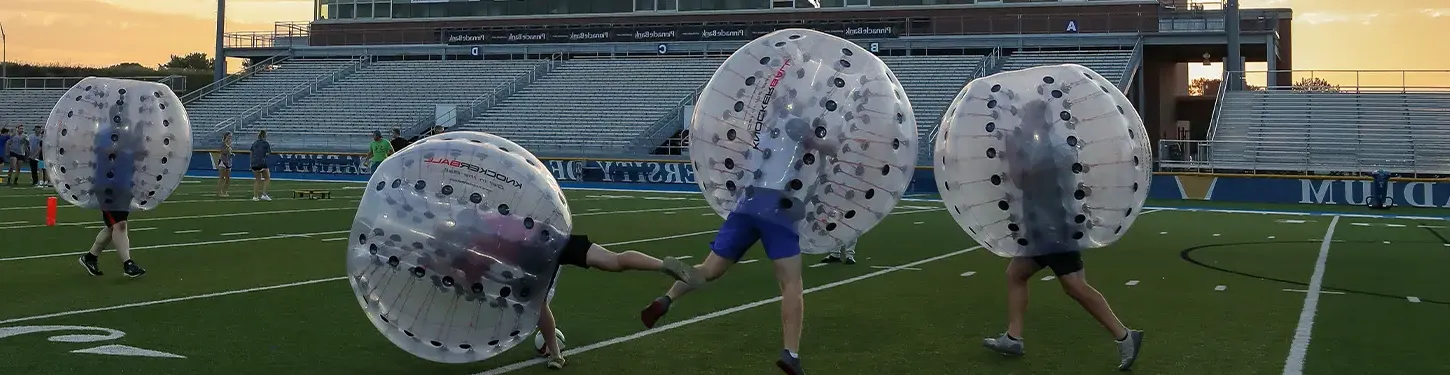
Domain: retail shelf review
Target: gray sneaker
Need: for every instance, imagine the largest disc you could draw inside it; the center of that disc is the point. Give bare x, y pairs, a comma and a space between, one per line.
1128, 349
685, 273
1004, 344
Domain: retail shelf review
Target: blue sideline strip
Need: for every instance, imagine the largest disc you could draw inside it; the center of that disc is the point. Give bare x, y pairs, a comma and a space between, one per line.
693, 189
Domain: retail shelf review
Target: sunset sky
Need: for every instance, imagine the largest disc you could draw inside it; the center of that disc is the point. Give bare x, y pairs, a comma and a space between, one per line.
106, 32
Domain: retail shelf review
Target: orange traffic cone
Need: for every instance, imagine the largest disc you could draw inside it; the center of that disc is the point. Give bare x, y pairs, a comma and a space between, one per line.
50, 208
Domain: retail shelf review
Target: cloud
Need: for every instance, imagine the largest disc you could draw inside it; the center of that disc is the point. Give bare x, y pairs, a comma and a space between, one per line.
257, 11
1319, 18
1435, 12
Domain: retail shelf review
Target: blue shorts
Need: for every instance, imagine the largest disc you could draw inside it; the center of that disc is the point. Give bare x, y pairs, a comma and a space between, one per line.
741, 231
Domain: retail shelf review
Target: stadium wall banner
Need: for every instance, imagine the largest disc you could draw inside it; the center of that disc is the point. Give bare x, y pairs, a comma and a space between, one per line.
660, 34
1265, 189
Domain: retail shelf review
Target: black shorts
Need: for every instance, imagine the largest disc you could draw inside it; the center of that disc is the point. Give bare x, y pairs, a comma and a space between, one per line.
113, 217
576, 251
1060, 263
258, 169
18, 156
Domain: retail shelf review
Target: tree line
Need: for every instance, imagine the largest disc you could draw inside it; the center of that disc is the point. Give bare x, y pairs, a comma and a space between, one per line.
196, 67
1210, 86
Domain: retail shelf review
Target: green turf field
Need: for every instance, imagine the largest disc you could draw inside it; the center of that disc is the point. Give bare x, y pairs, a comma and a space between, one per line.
242, 287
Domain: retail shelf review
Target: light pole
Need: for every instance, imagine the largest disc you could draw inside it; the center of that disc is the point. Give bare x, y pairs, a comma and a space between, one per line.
4, 59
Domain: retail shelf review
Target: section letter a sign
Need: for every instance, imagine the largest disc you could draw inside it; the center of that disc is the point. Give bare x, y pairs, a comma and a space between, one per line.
1071, 26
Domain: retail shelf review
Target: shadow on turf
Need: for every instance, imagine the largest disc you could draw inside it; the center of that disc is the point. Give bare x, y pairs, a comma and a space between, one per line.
1186, 254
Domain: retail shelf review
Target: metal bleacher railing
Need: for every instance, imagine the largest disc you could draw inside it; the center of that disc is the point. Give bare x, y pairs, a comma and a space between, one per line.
266, 64
1326, 122
990, 64
478, 106
665, 127
282, 100
175, 82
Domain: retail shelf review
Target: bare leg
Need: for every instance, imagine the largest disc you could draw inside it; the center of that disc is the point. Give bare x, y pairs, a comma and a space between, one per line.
1019, 271
603, 259
266, 180
792, 301
121, 240
547, 325
1076, 285
256, 184
713, 267
102, 239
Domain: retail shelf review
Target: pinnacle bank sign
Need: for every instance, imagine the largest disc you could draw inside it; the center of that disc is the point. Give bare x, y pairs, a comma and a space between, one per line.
659, 34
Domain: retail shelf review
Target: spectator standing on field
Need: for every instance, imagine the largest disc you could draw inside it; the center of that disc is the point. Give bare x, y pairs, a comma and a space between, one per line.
37, 175
398, 141
261, 172
378, 150
4, 154
15, 147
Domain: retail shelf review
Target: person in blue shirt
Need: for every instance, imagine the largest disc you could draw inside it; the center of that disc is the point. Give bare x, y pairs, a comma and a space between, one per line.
115, 170
35, 154
15, 154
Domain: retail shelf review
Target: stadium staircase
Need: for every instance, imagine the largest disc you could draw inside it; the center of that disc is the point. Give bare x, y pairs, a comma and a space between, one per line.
382, 96
596, 106
27, 107
1327, 132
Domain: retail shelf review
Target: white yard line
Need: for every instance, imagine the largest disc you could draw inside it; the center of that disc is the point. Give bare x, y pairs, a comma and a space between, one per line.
1413, 299
717, 314
280, 236
187, 244
141, 229
1131, 283
234, 234
241, 291
253, 213
1221, 288
818, 265
1049, 278
1299, 349
1306, 291
891, 267
13, 222
749, 261
334, 239
968, 273
187, 231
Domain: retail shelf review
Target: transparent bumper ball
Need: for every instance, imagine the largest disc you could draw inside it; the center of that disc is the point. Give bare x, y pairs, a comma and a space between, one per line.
117, 144
1043, 160
455, 247
808, 131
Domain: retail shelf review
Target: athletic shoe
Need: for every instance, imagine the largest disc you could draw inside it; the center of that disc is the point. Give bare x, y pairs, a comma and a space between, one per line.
831, 259
1004, 344
255, 199
683, 272
266, 197
132, 269
656, 310
850, 259
90, 262
1128, 349
789, 363
556, 363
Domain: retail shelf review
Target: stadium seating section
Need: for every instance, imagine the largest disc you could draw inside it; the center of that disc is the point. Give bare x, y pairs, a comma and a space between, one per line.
1334, 131
612, 101
1112, 64
206, 112
388, 94
27, 106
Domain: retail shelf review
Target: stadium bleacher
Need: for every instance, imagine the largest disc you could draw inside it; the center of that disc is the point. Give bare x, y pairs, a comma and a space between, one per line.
386, 95
1111, 64
931, 82
611, 100
1337, 131
27, 106
209, 110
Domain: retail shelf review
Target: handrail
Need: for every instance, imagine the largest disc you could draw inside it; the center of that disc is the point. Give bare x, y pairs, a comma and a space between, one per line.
989, 64
290, 96
484, 102
232, 78
1217, 116
1131, 69
650, 138
1323, 158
